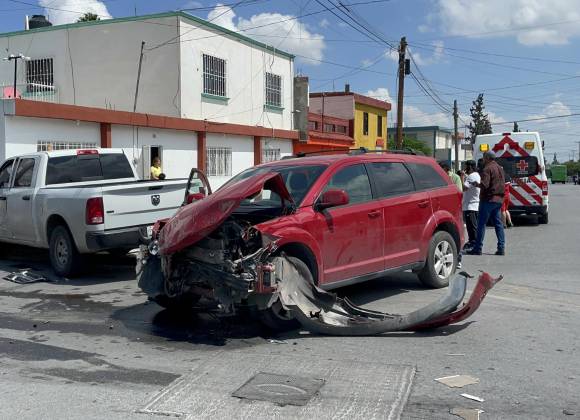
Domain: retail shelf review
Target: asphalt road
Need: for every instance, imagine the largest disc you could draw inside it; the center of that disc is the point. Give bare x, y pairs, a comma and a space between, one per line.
94, 348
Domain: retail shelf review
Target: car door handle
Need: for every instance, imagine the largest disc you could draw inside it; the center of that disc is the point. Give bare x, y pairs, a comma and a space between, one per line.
423, 203
374, 214
26, 197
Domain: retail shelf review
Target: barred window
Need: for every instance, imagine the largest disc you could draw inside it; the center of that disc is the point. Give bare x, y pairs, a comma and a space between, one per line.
341, 129
219, 161
39, 75
273, 89
270, 155
214, 75
47, 146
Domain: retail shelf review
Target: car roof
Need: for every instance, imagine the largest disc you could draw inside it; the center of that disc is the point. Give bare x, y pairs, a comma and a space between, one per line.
328, 159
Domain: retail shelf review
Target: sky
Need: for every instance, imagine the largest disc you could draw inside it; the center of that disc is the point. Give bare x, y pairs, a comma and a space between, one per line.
523, 55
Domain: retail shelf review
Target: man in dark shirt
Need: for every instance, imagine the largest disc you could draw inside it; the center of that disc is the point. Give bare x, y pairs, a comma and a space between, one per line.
491, 198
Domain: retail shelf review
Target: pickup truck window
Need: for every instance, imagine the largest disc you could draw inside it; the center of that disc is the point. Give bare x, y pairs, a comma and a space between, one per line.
63, 169
24, 172
5, 172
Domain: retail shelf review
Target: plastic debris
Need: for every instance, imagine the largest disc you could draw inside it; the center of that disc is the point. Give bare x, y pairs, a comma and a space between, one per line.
277, 341
472, 397
455, 354
25, 277
466, 413
458, 381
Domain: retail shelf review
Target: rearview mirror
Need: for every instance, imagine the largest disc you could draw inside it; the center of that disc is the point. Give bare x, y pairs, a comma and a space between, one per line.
332, 198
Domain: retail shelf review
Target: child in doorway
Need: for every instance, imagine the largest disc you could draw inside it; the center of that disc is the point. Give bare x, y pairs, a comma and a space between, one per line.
156, 168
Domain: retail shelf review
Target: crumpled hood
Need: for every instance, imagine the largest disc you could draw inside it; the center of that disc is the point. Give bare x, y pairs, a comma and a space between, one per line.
198, 219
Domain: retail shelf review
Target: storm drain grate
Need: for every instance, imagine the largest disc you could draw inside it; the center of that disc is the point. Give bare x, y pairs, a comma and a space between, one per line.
279, 389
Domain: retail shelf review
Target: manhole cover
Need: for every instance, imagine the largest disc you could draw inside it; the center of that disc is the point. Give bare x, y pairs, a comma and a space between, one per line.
279, 389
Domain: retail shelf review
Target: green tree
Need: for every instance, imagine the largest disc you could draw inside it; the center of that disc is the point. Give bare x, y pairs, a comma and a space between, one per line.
555, 161
480, 120
516, 127
87, 17
572, 168
410, 143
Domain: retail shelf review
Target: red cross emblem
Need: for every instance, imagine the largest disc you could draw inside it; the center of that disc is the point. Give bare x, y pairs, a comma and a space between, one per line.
522, 165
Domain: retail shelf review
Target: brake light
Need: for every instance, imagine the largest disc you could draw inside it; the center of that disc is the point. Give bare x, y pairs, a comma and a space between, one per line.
544, 187
95, 214
87, 152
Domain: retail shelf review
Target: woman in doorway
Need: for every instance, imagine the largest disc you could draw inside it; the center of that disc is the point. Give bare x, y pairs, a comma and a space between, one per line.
156, 168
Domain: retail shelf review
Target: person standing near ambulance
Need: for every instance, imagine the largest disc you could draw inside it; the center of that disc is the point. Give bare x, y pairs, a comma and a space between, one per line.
471, 201
491, 197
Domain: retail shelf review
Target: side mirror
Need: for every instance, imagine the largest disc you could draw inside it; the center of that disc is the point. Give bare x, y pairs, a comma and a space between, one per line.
194, 197
332, 198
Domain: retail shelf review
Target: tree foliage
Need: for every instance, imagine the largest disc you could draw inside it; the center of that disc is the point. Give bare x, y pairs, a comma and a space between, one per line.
516, 127
410, 143
572, 168
480, 123
87, 17
555, 160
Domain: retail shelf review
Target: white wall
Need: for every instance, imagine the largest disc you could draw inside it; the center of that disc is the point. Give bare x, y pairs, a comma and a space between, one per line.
335, 106
246, 65
285, 146
242, 154
22, 133
179, 148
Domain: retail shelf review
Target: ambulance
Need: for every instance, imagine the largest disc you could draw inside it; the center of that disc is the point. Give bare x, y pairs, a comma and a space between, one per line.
522, 157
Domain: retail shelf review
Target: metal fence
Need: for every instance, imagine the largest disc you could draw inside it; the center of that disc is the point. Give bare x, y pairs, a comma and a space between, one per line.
30, 91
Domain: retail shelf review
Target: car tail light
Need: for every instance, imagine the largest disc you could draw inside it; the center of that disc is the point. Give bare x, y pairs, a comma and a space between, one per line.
95, 214
87, 152
544, 187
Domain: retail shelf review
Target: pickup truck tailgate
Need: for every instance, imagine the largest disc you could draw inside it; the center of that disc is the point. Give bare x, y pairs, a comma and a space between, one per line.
141, 203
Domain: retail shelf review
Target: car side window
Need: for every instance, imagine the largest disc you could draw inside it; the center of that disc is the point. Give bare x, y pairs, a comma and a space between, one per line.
354, 180
24, 172
392, 179
426, 177
5, 172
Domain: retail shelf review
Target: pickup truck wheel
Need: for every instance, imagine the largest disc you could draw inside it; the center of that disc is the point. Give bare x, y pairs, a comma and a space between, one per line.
441, 261
64, 256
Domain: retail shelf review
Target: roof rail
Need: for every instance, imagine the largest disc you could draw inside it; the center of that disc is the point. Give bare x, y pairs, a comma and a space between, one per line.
356, 151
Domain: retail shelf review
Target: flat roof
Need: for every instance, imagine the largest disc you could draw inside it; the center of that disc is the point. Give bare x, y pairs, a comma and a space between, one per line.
362, 99
181, 14
426, 128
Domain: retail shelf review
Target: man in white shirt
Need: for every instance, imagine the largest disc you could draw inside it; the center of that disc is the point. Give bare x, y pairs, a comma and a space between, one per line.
471, 201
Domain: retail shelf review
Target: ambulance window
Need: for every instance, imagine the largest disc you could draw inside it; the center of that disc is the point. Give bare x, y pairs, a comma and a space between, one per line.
519, 167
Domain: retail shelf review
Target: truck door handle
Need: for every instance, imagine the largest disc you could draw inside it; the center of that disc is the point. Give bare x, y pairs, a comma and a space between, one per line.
374, 214
423, 203
26, 197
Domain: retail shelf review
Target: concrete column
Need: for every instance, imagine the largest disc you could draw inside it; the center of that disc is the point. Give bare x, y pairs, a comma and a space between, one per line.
257, 150
106, 140
201, 151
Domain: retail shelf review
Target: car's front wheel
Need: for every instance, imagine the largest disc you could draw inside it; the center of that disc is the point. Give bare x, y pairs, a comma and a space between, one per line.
441, 261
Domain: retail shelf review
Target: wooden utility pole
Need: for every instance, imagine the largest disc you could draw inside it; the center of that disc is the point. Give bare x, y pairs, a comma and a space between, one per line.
456, 135
400, 95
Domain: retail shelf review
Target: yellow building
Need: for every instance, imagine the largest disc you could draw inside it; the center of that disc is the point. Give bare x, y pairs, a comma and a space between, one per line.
367, 116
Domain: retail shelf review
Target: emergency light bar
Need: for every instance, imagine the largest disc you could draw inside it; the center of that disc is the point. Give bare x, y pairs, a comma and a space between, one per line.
529, 145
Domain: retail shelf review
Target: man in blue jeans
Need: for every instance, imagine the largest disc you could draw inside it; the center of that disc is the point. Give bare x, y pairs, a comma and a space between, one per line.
491, 196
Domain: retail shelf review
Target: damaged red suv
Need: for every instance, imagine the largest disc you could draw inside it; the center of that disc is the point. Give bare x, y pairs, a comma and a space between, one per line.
329, 220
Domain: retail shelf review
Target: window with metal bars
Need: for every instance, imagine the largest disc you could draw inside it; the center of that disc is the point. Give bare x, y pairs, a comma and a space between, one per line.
39, 75
270, 155
273, 90
214, 76
219, 161
47, 146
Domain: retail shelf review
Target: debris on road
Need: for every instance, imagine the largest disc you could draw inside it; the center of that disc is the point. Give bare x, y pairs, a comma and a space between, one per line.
568, 412
25, 276
466, 413
472, 397
455, 354
277, 341
458, 381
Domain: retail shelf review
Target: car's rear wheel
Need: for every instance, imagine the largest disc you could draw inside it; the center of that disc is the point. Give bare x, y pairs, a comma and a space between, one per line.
64, 256
441, 261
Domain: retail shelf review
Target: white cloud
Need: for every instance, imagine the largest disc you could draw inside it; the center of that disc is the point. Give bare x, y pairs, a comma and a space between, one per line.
380, 93
420, 59
65, 11
392, 54
191, 5
324, 23
496, 18
281, 31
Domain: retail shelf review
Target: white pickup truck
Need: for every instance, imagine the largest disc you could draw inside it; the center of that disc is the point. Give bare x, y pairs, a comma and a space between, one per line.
75, 202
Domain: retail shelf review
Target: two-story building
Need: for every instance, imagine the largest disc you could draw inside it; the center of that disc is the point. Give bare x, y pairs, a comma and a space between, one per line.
212, 98
367, 116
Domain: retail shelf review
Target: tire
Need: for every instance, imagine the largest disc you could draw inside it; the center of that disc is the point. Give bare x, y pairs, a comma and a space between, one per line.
543, 219
64, 256
434, 277
276, 317
176, 304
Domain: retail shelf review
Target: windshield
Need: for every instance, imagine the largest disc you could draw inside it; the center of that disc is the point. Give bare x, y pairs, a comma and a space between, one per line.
297, 178
519, 167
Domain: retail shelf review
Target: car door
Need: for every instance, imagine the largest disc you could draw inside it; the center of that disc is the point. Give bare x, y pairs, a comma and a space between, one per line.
405, 212
19, 201
5, 179
350, 236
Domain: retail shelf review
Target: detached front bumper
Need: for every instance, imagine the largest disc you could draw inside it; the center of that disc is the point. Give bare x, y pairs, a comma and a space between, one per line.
116, 238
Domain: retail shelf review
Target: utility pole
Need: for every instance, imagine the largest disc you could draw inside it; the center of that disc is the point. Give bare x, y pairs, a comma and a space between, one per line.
578, 150
456, 135
138, 76
403, 69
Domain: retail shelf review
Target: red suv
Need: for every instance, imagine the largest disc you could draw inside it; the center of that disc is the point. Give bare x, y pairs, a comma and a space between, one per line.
344, 218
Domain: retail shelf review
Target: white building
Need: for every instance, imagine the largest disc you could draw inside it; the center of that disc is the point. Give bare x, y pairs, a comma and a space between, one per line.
191, 70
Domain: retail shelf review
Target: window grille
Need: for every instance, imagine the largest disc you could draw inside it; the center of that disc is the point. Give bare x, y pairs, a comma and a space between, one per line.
273, 90
47, 146
39, 75
270, 155
219, 161
214, 75
341, 129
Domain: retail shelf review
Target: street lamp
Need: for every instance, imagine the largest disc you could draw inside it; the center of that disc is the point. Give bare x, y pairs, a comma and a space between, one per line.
16, 57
